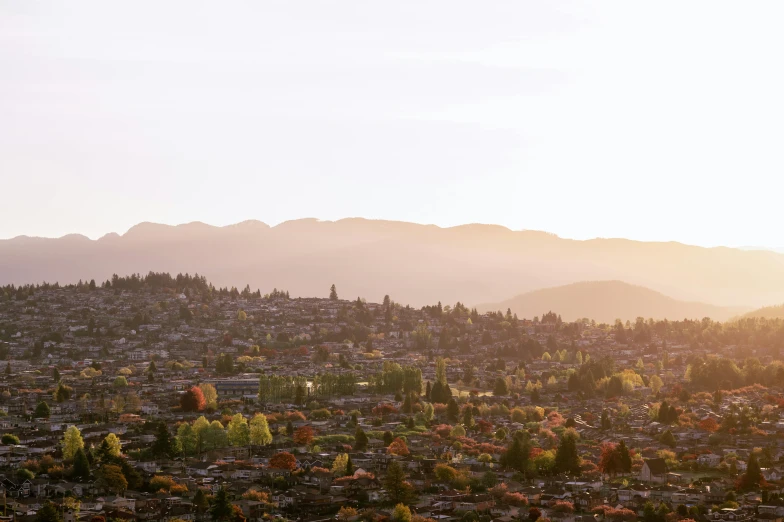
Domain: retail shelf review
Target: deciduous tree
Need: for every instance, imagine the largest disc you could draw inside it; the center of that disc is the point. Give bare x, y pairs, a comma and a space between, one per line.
192, 400
210, 395
238, 431
72, 442
259, 430
398, 447
303, 435
283, 460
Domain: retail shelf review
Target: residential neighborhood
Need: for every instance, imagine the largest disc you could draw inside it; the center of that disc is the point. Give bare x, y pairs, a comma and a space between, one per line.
161, 397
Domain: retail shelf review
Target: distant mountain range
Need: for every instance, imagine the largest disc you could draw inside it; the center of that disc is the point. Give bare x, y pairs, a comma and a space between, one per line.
413, 263
606, 301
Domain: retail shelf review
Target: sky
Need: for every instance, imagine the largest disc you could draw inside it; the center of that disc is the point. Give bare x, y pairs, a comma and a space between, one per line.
646, 120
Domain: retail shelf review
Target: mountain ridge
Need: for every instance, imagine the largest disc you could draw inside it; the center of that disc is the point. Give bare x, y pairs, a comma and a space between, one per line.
606, 301
414, 263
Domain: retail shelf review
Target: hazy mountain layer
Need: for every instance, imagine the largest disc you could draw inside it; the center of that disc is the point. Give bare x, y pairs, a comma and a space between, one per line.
416, 264
606, 301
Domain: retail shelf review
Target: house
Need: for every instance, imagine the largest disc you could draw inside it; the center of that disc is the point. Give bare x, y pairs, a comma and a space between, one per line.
654, 470
710, 460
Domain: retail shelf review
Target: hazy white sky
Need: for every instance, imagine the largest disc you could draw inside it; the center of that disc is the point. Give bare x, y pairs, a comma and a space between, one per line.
647, 120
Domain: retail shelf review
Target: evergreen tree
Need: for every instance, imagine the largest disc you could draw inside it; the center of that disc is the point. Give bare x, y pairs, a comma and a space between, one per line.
360, 439
48, 513
752, 479
668, 438
200, 501
222, 507
468, 417
407, 406
299, 397
349, 467
333, 293
62, 393
55, 375
614, 387
567, 460
517, 455
452, 410
625, 457
42, 410
606, 422
440, 392
163, 446
81, 466
500, 389
664, 413
398, 490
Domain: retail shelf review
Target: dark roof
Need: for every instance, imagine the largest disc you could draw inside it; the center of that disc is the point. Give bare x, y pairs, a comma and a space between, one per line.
657, 466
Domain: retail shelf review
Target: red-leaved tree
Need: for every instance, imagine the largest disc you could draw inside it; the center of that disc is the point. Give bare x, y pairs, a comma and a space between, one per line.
192, 400
303, 435
283, 460
709, 425
398, 447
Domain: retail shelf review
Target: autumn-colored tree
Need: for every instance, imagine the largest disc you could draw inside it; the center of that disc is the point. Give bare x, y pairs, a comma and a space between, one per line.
340, 464
256, 495
563, 506
498, 491
384, 409
162, 483
617, 515
110, 447
283, 460
346, 513
303, 435
192, 400
515, 499
401, 513
445, 473
398, 447
656, 383
710, 425
259, 430
295, 416
72, 442
210, 395
238, 431
610, 460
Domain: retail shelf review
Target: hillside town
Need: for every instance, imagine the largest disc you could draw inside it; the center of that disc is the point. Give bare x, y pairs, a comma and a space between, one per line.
163, 398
